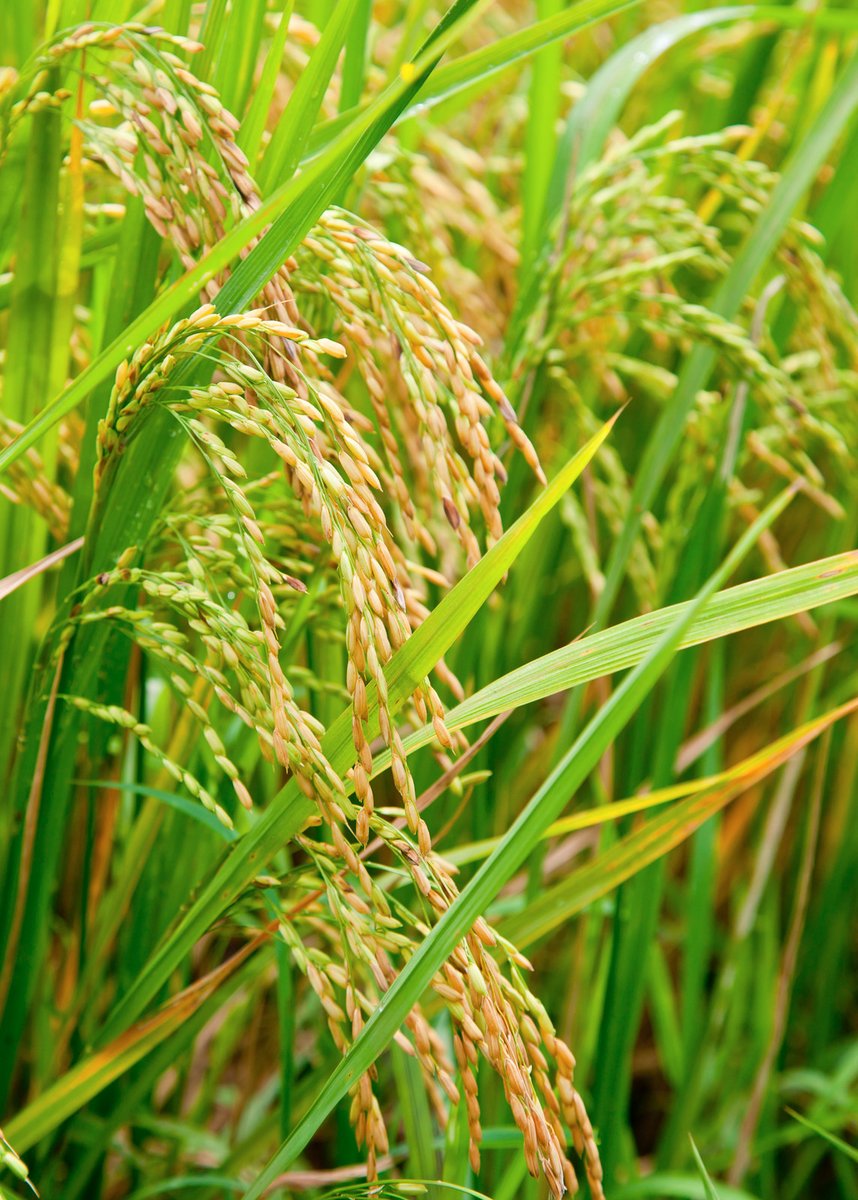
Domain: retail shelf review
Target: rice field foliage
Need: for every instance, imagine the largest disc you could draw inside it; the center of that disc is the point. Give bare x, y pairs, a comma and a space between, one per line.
429, 708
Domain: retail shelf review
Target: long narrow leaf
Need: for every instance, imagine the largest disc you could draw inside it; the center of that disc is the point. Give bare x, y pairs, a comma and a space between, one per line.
287, 144
745, 606
657, 837
96, 1072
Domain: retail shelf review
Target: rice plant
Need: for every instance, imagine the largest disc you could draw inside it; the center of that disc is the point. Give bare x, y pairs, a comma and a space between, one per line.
429, 729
